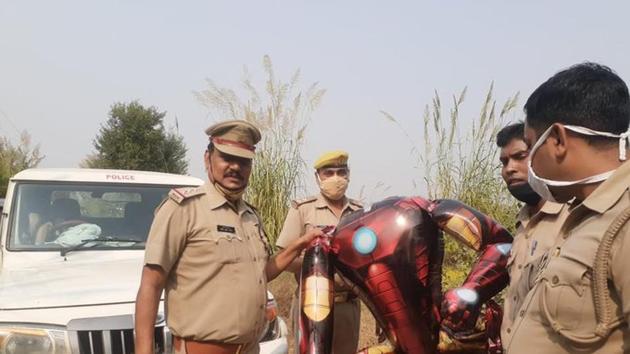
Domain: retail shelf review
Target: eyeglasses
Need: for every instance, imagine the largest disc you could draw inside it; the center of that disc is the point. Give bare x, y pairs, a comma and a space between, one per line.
330, 171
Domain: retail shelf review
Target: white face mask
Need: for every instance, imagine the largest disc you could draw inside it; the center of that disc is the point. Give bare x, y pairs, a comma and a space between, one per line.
541, 185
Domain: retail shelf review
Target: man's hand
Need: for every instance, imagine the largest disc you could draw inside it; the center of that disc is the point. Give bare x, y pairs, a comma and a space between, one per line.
460, 309
281, 260
305, 240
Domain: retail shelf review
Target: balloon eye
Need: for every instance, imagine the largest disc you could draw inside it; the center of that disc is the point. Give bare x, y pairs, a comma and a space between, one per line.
364, 240
468, 295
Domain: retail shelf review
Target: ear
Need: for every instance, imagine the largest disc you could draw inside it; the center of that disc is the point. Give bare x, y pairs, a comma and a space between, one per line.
206, 159
558, 139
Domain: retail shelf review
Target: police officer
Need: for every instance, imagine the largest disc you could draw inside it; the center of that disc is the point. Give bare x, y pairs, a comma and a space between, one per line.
208, 251
538, 221
316, 212
577, 126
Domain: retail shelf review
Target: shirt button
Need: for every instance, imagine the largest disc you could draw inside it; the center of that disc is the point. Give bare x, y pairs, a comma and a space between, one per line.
522, 313
509, 330
260, 281
555, 280
261, 306
254, 259
520, 266
514, 298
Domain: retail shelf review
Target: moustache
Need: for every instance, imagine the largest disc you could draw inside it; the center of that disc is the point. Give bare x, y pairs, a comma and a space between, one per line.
233, 175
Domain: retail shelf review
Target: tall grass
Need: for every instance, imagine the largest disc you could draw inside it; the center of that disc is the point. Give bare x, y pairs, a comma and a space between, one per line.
461, 162
282, 111
15, 158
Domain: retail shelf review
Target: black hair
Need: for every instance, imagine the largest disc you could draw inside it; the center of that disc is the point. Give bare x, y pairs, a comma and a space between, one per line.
588, 95
509, 133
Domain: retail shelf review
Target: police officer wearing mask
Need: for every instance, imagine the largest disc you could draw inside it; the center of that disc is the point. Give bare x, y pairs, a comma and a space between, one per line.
577, 127
326, 209
537, 222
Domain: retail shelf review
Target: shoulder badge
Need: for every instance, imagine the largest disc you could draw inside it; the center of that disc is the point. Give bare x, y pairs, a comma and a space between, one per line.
178, 195
298, 202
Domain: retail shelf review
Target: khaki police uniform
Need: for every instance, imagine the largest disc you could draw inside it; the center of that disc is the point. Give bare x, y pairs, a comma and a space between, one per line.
215, 258
214, 253
302, 217
562, 311
535, 234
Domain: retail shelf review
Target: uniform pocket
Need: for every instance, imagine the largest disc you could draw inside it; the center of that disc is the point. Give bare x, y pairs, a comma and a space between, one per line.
224, 246
565, 297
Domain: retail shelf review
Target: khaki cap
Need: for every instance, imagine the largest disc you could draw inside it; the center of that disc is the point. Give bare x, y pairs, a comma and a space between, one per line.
235, 137
336, 158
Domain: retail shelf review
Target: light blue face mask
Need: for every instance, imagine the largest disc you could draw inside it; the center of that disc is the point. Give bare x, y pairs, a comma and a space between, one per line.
541, 185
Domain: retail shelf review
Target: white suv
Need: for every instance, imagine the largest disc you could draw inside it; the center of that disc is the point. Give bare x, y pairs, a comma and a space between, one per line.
72, 247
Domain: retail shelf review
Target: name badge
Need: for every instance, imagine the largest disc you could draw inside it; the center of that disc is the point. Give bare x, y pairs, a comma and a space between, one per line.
225, 228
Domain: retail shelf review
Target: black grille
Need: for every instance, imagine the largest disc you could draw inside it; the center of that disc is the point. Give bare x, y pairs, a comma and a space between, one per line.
113, 335
115, 341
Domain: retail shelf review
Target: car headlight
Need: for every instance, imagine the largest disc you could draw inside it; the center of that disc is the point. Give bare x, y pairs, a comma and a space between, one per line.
25, 340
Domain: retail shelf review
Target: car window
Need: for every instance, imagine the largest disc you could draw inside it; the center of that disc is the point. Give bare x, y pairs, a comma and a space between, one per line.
51, 216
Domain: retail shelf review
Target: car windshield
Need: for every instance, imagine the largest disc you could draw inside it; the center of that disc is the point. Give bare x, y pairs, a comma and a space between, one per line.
62, 216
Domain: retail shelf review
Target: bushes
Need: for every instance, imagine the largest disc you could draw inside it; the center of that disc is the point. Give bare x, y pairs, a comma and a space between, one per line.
466, 167
462, 163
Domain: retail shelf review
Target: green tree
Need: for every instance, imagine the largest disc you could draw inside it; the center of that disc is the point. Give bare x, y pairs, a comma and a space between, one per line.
462, 163
134, 138
282, 111
15, 158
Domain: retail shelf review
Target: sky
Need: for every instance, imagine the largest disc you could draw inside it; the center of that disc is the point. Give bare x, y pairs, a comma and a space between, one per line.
64, 63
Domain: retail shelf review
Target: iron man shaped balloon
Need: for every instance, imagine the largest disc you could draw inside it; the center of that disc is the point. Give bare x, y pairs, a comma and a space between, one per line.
391, 255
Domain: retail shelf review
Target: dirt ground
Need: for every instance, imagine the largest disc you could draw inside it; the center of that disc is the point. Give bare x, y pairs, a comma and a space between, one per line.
283, 288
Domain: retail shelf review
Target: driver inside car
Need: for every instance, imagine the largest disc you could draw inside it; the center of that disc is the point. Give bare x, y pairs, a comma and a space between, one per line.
64, 214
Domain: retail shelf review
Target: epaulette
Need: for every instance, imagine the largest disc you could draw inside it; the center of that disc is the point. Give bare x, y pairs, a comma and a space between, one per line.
355, 202
178, 195
297, 203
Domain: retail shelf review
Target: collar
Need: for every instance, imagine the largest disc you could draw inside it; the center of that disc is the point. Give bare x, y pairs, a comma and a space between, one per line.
525, 214
321, 203
551, 208
610, 191
217, 200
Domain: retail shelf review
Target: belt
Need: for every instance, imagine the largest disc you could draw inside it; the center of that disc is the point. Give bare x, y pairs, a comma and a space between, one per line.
204, 347
344, 296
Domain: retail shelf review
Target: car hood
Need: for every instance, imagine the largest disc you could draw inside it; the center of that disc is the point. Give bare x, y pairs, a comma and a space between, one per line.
82, 278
